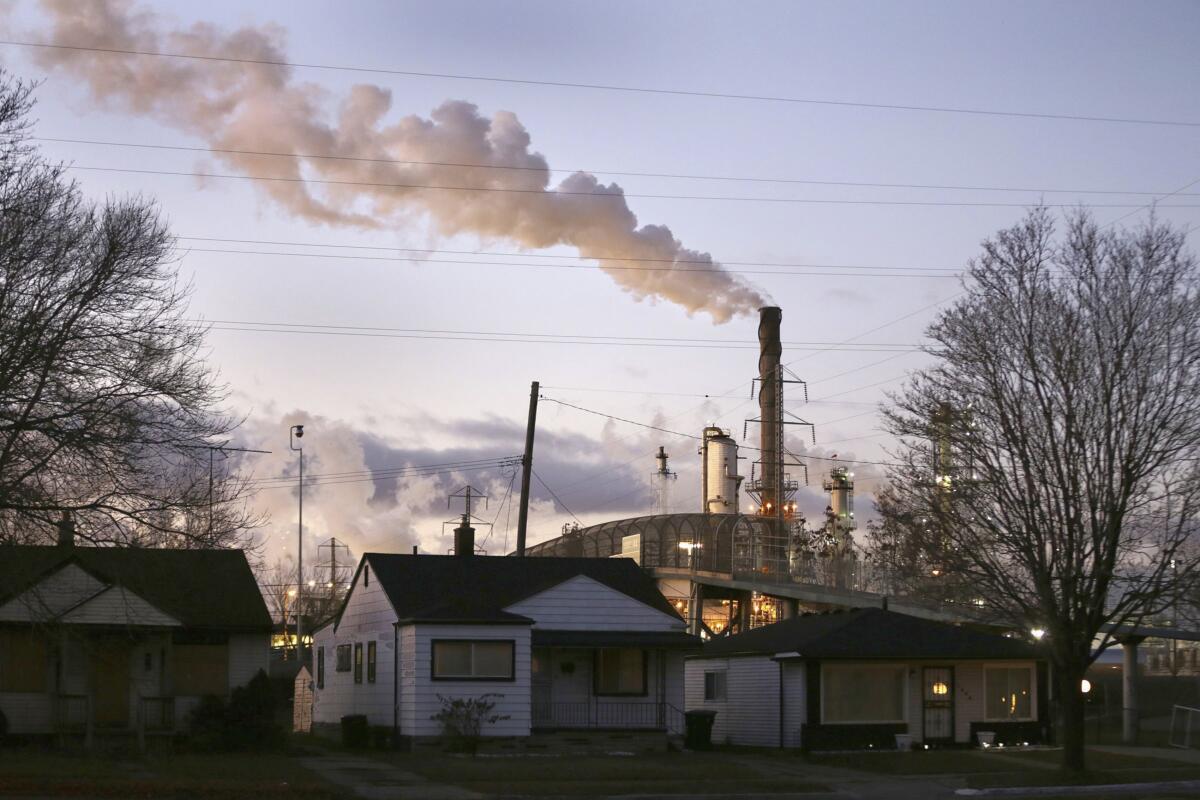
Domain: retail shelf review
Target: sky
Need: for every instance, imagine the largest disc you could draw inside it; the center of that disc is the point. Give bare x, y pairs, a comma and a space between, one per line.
867, 266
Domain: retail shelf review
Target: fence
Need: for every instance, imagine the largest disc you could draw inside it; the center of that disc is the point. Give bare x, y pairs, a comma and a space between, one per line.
594, 713
1185, 727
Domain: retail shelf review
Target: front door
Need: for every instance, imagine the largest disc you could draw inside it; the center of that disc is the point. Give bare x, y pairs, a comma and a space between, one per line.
938, 694
110, 683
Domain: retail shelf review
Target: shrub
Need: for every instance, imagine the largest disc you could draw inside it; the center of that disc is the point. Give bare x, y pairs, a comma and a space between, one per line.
354, 732
246, 722
462, 720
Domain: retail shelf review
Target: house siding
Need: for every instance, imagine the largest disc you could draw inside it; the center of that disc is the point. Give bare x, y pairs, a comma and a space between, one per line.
53, 595
514, 700
584, 604
749, 714
368, 616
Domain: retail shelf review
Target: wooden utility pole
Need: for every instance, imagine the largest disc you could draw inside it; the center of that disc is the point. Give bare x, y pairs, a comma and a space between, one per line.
527, 469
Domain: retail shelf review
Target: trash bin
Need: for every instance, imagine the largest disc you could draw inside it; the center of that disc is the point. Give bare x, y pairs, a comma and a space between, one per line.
355, 732
699, 729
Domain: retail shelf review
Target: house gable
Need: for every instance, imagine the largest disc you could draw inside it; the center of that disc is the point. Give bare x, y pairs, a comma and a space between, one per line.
582, 603
53, 594
116, 605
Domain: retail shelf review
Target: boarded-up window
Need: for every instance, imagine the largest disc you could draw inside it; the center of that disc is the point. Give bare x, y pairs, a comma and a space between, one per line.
343, 658
199, 669
864, 693
22, 661
320, 667
370, 662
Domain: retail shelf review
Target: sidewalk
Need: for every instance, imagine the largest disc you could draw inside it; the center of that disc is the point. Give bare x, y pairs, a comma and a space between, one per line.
377, 780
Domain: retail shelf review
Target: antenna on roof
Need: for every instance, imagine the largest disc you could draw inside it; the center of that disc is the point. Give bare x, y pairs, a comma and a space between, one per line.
464, 534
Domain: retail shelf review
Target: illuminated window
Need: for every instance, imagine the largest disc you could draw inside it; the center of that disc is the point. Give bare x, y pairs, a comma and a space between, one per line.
1009, 693
939, 688
358, 662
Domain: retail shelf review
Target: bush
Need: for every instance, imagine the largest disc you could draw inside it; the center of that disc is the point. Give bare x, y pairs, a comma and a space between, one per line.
3, 726
463, 719
381, 737
246, 722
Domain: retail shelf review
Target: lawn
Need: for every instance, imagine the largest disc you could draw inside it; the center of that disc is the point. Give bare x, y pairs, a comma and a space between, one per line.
598, 775
917, 762
234, 775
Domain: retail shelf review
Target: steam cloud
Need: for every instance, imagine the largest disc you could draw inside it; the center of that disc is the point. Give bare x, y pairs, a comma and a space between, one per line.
263, 108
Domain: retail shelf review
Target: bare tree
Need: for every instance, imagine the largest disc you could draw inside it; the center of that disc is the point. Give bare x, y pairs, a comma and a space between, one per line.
1052, 455
107, 408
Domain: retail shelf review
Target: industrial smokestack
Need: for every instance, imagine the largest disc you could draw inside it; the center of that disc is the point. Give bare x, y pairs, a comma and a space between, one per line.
770, 406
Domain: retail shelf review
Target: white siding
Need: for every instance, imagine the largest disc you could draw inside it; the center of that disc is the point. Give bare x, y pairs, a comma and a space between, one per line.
423, 702
584, 604
28, 712
368, 616
53, 595
119, 606
795, 702
749, 714
968, 699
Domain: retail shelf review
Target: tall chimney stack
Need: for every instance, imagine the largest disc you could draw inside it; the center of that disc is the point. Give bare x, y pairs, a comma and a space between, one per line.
770, 406
464, 538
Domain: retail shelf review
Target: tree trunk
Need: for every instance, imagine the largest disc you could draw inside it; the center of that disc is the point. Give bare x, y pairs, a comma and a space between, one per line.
1070, 703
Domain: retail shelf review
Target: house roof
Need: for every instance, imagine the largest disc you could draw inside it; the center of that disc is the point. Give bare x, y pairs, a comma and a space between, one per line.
431, 588
869, 633
200, 588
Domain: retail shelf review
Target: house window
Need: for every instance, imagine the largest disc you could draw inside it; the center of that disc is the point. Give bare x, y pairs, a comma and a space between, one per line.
863, 693
370, 662
620, 671
200, 669
358, 662
456, 659
23, 665
1009, 693
320, 667
714, 685
343, 658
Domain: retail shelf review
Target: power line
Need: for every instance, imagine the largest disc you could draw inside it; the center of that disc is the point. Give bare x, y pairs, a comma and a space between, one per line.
373, 478
571, 267
617, 173
550, 193
556, 498
542, 335
613, 87
641, 259
507, 339
394, 471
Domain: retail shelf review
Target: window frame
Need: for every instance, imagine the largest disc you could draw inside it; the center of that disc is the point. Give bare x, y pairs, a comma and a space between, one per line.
358, 662
720, 681
337, 660
596, 656
884, 667
371, 654
1033, 691
512, 664
321, 667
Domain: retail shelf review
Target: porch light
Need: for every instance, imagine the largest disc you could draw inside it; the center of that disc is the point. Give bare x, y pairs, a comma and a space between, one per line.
1038, 633
940, 688
1085, 686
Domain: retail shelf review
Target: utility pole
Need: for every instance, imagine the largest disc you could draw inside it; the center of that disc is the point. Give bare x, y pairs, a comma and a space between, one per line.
297, 432
526, 469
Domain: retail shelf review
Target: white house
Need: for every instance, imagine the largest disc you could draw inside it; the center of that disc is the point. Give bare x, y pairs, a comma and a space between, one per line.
855, 679
561, 643
123, 640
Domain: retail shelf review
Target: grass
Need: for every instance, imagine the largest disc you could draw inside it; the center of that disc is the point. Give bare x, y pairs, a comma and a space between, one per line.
666, 773
226, 775
917, 762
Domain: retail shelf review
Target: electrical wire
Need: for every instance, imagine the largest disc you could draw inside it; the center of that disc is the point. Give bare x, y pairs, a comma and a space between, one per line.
610, 87
725, 263
572, 267
617, 173
556, 497
549, 193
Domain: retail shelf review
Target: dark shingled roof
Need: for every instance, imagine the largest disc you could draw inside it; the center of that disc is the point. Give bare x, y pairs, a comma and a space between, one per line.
432, 588
869, 633
200, 588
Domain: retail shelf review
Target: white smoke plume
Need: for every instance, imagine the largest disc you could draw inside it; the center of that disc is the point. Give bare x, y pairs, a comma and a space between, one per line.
265, 108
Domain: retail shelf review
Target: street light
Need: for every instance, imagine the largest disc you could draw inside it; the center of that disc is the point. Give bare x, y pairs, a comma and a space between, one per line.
295, 433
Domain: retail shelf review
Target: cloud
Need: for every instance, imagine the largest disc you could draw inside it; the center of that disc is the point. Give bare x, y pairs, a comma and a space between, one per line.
261, 107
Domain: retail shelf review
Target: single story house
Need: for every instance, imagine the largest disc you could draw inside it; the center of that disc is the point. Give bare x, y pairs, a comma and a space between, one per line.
123, 640
855, 679
559, 643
